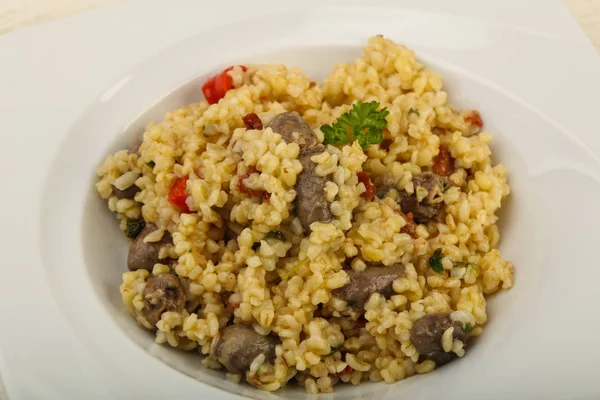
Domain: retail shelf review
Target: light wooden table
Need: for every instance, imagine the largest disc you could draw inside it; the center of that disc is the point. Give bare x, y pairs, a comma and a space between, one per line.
15, 14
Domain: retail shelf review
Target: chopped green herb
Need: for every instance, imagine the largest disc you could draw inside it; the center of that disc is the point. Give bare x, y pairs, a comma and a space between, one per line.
413, 111
134, 227
447, 186
468, 328
435, 261
275, 234
151, 164
363, 123
256, 246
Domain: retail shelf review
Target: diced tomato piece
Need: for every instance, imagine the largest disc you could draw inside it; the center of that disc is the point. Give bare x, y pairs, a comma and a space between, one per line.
215, 87
178, 194
443, 163
252, 121
208, 90
244, 189
411, 226
223, 82
369, 193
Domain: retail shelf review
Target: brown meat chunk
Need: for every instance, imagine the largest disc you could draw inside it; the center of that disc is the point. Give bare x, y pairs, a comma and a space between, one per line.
426, 335
162, 293
128, 193
311, 204
144, 255
294, 129
431, 206
239, 344
374, 279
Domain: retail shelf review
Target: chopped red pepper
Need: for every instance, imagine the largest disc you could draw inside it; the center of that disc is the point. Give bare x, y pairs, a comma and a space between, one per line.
178, 194
245, 189
443, 163
215, 87
369, 193
252, 121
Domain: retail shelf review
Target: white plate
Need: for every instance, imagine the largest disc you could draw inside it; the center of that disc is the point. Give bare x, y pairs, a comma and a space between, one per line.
71, 88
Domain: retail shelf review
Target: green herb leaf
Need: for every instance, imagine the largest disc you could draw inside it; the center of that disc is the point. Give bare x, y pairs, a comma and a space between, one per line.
435, 261
413, 111
134, 227
468, 328
275, 234
363, 123
446, 186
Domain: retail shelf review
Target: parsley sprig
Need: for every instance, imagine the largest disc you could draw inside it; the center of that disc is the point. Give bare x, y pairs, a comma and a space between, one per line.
363, 123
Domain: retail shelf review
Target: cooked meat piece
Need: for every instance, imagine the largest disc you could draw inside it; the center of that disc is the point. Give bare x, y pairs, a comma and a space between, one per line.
162, 293
433, 183
373, 279
311, 204
422, 212
128, 193
294, 129
431, 206
240, 344
426, 335
144, 255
